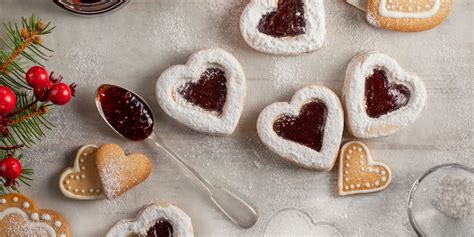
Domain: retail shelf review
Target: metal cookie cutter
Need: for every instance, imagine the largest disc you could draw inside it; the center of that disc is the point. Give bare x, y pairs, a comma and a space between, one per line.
91, 7
359, 4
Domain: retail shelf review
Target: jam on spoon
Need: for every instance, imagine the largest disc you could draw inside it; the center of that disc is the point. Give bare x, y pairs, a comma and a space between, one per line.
287, 20
307, 128
127, 113
383, 97
209, 92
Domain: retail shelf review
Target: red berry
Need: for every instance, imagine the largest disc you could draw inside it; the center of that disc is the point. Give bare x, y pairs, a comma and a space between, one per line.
10, 168
41, 93
7, 100
60, 93
37, 76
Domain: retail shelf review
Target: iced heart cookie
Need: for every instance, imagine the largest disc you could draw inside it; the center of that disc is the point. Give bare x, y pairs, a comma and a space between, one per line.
207, 94
163, 219
284, 27
358, 173
20, 217
119, 172
307, 131
408, 15
82, 181
379, 96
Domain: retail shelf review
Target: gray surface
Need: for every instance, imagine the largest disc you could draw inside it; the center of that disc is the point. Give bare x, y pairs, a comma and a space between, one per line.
133, 46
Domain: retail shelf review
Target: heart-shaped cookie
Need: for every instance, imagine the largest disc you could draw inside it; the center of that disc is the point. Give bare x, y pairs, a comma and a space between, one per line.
298, 223
207, 94
82, 181
359, 173
307, 131
119, 172
379, 96
284, 27
19, 216
408, 15
162, 219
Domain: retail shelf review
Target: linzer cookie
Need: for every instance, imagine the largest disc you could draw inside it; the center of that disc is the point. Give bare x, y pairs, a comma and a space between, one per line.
20, 217
379, 96
119, 172
207, 94
284, 27
307, 131
162, 219
358, 173
82, 181
408, 15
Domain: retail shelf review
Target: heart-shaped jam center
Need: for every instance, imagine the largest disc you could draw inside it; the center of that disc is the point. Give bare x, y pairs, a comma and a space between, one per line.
382, 97
209, 92
287, 20
307, 128
162, 228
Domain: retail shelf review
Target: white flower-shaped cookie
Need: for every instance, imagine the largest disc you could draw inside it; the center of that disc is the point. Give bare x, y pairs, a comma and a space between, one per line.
207, 94
380, 97
284, 27
307, 131
162, 219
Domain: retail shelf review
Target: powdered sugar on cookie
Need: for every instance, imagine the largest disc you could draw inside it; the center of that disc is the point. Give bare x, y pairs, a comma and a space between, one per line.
149, 216
216, 117
359, 122
293, 151
312, 39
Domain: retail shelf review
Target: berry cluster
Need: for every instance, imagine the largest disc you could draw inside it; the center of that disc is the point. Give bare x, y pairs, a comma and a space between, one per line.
49, 88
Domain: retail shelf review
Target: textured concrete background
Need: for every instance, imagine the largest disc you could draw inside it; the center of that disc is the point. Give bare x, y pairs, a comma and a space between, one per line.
134, 45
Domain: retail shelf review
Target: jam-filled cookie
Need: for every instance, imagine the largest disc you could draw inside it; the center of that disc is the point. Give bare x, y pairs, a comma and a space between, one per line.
306, 131
162, 219
408, 15
207, 94
284, 27
379, 96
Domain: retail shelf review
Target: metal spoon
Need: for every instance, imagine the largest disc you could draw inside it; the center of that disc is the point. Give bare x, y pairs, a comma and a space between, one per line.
91, 7
234, 207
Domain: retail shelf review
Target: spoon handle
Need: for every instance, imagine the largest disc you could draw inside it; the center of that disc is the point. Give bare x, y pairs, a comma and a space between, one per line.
234, 207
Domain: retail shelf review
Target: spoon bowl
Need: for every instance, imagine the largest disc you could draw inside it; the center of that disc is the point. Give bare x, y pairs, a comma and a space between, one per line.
132, 118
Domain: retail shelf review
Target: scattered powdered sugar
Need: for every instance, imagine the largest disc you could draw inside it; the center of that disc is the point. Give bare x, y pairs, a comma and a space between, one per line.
111, 178
286, 73
455, 196
87, 62
311, 40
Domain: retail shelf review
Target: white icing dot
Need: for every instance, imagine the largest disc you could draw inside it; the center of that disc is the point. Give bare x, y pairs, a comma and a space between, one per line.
46, 217
383, 179
352, 186
26, 204
3, 201
367, 185
35, 216
62, 235
68, 187
76, 190
346, 179
83, 168
362, 168
83, 176
348, 157
97, 190
361, 162
361, 157
15, 199
71, 176
358, 185
383, 172
377, 183
347, 171
67, 181
57, 224
81, 160
360, 149
77, 177
347, 165
346, 187
83, 191
91, 190
350, 151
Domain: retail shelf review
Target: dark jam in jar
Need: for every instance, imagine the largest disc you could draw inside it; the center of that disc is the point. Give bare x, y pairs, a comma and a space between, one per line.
307, 128
126, 112
383, 97
209, 92
162, 228
287, 20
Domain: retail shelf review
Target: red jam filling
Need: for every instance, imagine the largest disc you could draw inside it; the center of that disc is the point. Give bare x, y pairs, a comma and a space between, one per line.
383, 97
162, 228
127, 113
209, 92
287, 20
307, 128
